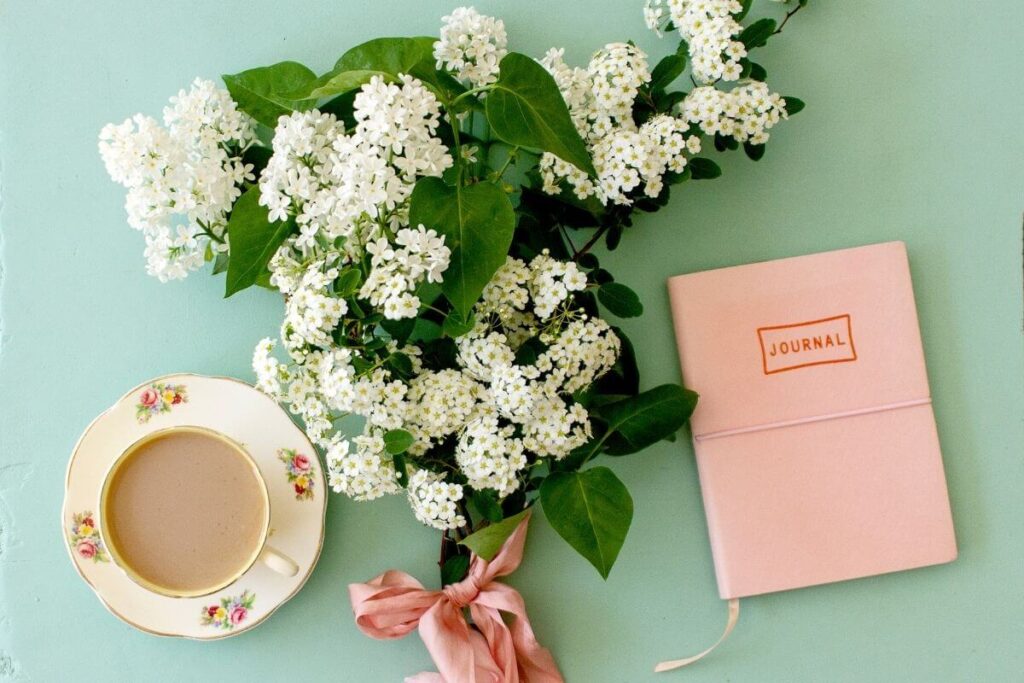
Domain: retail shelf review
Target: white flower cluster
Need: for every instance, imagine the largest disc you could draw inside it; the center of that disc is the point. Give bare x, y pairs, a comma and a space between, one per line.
397, 271
710, 28
489, 416
182, 179
471, 45
433, 501
745, 113
349, 194
353, 186
362, 474
626, 156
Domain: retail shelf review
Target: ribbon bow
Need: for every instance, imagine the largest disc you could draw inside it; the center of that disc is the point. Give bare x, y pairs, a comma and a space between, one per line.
491, 651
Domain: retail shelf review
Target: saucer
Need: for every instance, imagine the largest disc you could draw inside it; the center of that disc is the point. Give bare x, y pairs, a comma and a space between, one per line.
286, 459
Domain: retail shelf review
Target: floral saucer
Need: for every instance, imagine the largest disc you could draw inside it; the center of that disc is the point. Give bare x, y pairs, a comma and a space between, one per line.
286, 459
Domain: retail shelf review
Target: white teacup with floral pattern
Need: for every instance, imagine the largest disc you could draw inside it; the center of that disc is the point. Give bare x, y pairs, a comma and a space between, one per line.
185, 512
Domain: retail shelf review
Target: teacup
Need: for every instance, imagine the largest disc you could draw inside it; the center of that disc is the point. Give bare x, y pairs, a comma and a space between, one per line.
185, 512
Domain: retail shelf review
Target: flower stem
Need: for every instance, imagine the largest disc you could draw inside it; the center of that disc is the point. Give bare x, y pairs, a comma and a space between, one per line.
504, 167
591, 242
789, 14
469, 93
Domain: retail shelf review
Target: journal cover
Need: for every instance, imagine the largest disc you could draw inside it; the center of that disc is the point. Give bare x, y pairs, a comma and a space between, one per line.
815, 438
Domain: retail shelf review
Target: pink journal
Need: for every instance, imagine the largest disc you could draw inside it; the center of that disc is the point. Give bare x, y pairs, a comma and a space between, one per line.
815, 438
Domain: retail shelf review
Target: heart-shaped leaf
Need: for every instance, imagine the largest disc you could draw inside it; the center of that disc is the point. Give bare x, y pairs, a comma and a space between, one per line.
455, 324
477, 222
339, 83
620, 300
265, 93
794, 105
667, 70
642, 420
488, 541
254, 239
591, 510
703, 169
394, 56
397, 441
525, 108
757, 34
390, 55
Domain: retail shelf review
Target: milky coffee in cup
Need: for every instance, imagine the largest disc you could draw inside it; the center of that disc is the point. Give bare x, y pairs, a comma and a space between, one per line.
185, 511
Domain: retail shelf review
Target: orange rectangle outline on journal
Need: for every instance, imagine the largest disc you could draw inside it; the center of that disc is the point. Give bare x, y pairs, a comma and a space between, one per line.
764, 357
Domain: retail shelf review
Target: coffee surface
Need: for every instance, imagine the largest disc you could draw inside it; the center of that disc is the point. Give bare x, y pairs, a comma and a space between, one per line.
185, 511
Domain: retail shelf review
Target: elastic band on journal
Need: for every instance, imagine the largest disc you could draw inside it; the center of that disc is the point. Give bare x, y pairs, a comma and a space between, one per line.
734, 616
814, 418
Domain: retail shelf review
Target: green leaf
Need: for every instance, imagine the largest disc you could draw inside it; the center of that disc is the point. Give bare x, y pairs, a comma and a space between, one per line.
254, 239
400, 364
264, 93
620, 300
667, 70
758, 72
488, 541
394, 56
390, 55
703, 169
401, 472
642, 420
338, 83
220, 263
794, 105
757, 34
591, 510
347, 282
526, 108
746, 8
454, 569
477, 222
397, 441
399, 330
486, 503
456, 324
755, 152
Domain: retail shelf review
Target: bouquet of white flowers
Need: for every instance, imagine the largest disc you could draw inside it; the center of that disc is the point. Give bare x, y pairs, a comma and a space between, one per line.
416, 206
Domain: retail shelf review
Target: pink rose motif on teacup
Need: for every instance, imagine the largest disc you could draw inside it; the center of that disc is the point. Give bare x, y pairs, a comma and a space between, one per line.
158, 398
86, 548
85, 539
238, 614
231, 612
149, 397
300, 472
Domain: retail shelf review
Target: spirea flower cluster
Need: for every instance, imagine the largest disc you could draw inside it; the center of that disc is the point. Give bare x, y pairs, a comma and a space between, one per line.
745, 113
631, 160
710, 29
495, 412
349, 189
182, 177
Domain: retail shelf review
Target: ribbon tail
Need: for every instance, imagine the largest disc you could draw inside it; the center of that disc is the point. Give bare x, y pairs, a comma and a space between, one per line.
734, 616
460, 653
535, 662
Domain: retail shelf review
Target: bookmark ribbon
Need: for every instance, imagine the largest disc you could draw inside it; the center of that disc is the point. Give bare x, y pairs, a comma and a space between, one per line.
813, 418
730, 624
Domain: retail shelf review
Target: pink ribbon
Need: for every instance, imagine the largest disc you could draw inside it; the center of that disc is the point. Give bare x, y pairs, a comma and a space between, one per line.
491, 651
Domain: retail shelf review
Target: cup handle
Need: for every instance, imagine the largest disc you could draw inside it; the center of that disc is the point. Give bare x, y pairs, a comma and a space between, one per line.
279, 562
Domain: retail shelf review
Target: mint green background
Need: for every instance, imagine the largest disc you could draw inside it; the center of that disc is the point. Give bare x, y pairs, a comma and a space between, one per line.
912, 132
